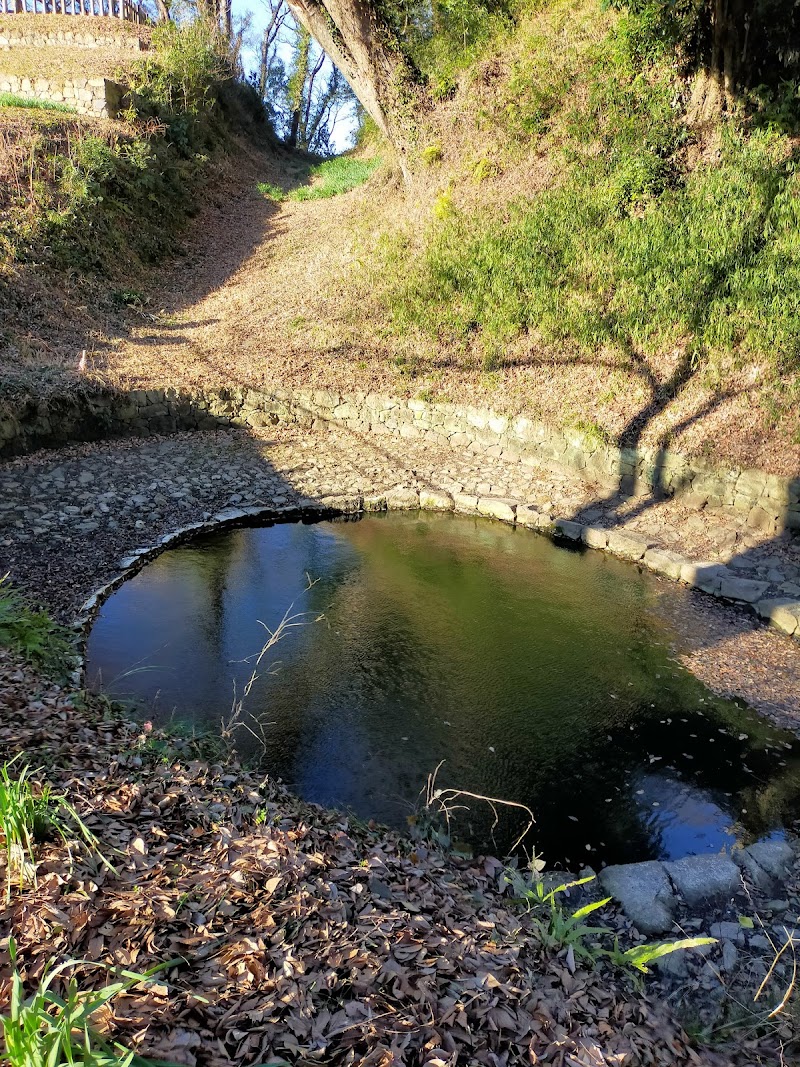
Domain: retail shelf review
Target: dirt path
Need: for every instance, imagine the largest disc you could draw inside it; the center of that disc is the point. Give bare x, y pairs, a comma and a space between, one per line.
250, 302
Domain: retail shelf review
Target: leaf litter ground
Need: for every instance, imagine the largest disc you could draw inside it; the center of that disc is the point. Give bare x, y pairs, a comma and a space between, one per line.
296, 935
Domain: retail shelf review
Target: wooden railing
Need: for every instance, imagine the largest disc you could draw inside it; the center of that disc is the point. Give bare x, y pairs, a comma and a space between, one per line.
118, 9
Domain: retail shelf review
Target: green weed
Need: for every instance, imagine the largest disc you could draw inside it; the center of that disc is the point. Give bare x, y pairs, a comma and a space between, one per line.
271, 192
48, 1029
640, 956
556, 927
31, 813
12, 100
33, 634
129, 298
560, 929
431, 154
336, 176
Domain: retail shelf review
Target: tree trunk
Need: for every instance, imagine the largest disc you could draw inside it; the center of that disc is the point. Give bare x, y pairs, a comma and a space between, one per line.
729, 28
291, 140
359, 43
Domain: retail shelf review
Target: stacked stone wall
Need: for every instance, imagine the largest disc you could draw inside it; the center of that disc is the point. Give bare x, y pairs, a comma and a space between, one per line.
86, 96
767, 502
11, 37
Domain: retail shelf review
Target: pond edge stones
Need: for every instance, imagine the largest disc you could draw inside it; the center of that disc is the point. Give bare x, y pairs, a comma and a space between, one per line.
650, 893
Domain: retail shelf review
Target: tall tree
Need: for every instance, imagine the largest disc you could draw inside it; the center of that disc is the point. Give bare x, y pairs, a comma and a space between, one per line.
362, 44
277, 15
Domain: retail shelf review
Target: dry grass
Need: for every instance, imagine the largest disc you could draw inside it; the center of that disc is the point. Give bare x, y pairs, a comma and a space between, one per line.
66, 64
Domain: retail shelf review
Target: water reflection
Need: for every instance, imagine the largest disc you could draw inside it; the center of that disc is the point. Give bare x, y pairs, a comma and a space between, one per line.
535, 673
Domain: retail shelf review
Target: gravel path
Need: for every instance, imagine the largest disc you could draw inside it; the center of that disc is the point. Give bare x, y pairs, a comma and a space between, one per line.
67, 519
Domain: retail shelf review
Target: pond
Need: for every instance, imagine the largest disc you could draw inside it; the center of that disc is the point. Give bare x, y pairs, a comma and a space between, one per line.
531, 672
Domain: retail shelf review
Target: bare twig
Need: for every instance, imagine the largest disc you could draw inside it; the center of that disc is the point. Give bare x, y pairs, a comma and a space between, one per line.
445, 801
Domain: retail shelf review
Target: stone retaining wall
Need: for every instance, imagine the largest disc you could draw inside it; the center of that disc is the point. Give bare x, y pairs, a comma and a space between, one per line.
11, 37
87, 96
770, 503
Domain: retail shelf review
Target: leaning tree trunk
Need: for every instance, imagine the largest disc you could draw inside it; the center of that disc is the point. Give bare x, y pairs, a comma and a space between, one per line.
728, 47
717, 84
360, 44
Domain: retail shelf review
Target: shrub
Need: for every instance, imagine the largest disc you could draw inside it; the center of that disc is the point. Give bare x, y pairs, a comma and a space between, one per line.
187, 61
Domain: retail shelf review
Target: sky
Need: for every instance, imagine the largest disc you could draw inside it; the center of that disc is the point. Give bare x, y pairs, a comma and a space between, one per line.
258, 10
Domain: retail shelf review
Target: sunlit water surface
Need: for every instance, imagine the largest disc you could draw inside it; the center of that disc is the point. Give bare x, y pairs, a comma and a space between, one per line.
530, 672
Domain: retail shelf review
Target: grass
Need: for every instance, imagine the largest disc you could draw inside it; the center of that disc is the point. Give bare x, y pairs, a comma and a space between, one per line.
12, 100
32, 813
271, 192
330, 178
336, 176
49, 1028
629, 247
33, 634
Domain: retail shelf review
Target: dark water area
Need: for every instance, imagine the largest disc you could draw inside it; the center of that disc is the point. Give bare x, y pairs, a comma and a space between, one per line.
537, 674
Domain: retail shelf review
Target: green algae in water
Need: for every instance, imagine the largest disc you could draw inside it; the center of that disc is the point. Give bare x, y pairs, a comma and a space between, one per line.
535, 673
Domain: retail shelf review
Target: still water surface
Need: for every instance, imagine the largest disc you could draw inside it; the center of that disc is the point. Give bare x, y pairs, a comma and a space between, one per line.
535, 673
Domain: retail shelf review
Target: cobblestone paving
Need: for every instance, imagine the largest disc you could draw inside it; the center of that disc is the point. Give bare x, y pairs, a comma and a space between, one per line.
67, 519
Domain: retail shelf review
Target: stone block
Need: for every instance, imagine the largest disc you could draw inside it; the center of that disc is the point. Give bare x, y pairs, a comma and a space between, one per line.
567, 529
375, 503
528, 516
766, 863
402, 498
727, 931
759, 519
662, 561
465, 502
628, 545
645, 893
433, 500
751, 484
694, 499
595, 537
777, 489
704, 575
775, 857
781, 612
745, 589
497, 508
705, 878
